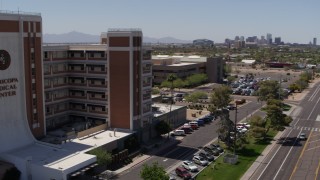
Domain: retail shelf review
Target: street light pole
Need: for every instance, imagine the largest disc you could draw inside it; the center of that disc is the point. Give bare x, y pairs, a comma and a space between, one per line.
235, 130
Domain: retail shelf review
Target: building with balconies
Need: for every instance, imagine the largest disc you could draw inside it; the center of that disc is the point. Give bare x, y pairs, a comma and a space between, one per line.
96, 84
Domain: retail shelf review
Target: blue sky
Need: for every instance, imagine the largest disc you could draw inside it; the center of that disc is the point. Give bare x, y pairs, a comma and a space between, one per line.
292, 20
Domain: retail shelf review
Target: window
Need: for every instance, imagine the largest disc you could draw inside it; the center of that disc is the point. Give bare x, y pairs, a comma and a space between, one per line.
33, 71
92, 95
92, 55
46, 55
103, 108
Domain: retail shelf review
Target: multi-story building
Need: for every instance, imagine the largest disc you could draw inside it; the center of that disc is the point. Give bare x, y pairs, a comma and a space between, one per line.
314, 41
277, 40
182, 67
75, 85
89, 85
269, 38
130, 81
21, 80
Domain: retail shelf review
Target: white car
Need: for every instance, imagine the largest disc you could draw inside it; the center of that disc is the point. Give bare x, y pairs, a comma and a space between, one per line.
302, 136
200, 160
190, 166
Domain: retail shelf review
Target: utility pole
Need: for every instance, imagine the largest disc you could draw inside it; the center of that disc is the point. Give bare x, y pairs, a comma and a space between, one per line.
235, 130
280, 88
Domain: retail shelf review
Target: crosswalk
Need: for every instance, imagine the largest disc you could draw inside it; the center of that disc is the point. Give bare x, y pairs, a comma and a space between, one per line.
305, 128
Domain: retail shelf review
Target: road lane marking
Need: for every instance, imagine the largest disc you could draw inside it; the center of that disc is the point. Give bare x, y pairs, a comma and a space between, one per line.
273, 156
298, 127
165, 160
318, 118
314, 94
305, 128
313, 148
283, 161
308, 129
317, 170
313, 108
316, 129
302, 152
312, 129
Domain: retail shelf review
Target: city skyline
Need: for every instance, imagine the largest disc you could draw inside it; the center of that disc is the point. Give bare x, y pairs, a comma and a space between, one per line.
293, 21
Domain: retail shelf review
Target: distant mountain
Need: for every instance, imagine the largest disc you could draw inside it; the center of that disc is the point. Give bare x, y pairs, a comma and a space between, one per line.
71, 37
164, 40
78, 37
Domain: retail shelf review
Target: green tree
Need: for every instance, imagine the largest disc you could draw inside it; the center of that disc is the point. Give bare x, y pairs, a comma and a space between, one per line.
195, 96
230, 79
162, 127
221, 96
293, 87
103, 156
179, 83
228, 68
276, 119
258, 127
153, 172
155, 91
196, 79
268, 90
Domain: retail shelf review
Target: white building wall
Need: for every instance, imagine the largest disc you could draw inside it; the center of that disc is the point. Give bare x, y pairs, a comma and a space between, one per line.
14, 129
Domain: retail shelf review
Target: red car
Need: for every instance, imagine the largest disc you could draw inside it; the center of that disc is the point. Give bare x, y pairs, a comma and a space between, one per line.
182, 172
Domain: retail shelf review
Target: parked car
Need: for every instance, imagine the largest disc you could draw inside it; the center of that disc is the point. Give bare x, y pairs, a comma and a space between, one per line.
206, 155
193, 127
183, 173
217, 146
231, 107
200, 160
206, 119
178, 132
211, 150
187, 130
200, 122
194, 123
189, 166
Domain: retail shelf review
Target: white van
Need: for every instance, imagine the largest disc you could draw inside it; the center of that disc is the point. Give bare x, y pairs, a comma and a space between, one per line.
178, 132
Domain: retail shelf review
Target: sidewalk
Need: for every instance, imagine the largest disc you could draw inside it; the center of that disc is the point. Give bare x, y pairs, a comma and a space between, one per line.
266, 151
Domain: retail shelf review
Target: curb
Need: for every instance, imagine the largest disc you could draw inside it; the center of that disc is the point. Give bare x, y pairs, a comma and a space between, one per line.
255, 165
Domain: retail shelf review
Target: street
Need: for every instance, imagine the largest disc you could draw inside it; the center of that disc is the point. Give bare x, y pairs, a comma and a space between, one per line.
291, 158
191, 143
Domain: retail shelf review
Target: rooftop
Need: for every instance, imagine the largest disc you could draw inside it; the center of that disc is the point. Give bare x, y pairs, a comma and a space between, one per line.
19, 13
70, 154
164, 108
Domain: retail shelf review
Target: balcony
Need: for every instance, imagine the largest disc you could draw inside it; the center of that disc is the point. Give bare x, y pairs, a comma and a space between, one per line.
60, 97
97, 109
97, 83
97, 70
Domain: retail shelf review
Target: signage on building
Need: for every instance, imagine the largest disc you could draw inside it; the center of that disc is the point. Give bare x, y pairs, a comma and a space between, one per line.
5, 60
8, 87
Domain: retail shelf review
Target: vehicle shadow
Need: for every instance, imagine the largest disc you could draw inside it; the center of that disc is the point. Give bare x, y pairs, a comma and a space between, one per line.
289, 141
179, 152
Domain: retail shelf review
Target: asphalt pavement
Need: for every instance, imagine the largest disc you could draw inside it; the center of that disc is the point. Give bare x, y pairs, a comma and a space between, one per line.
289, 157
